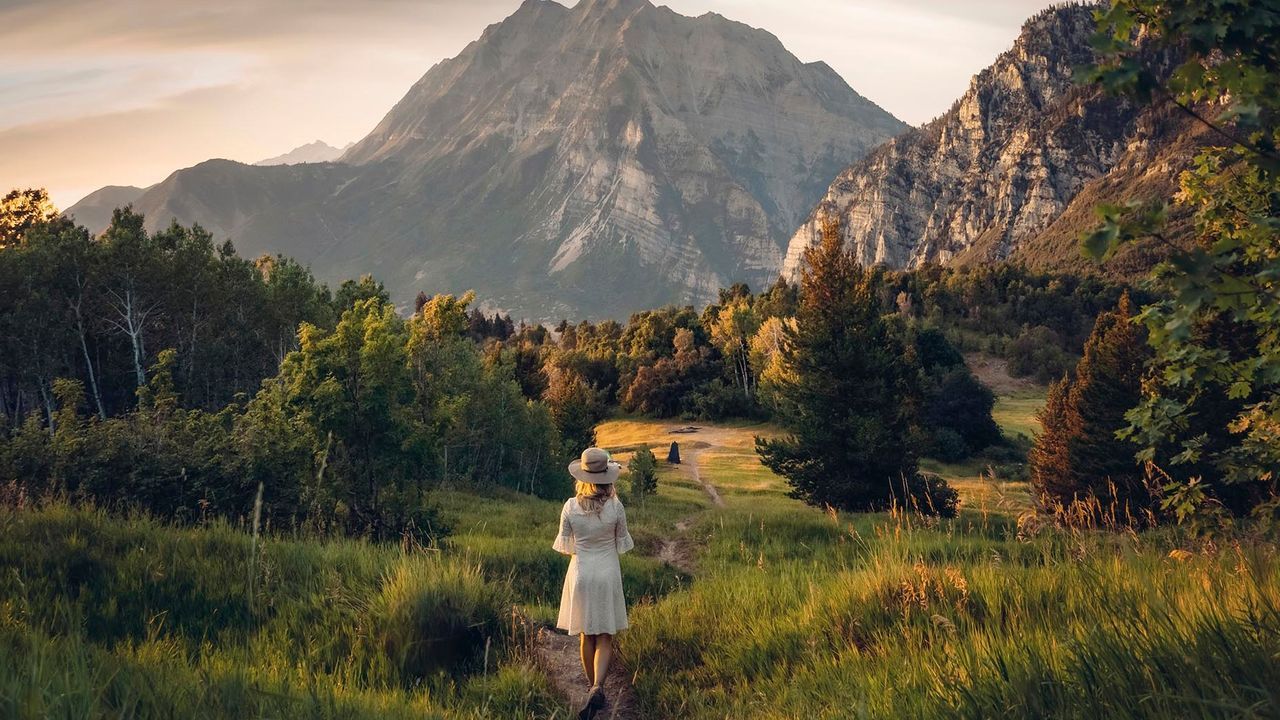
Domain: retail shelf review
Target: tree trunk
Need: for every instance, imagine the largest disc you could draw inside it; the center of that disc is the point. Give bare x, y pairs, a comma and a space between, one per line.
48, 401
88, 361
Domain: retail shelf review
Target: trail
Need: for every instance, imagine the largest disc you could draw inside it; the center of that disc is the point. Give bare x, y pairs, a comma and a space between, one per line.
692, 464
557, 653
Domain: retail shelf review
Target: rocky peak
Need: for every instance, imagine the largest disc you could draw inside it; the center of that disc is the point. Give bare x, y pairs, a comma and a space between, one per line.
591, 160
993, 172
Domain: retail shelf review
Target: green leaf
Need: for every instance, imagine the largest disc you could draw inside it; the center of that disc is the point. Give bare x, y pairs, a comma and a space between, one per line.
1098, 243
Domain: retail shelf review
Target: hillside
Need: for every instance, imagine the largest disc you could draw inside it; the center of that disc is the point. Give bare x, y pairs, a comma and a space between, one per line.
1013, 169
755, 606
94, 210
591, 161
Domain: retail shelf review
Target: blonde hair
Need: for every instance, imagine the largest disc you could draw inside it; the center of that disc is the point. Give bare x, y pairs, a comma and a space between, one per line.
592, 497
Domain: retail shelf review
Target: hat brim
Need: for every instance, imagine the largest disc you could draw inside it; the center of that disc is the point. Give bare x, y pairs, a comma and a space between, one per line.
608, 477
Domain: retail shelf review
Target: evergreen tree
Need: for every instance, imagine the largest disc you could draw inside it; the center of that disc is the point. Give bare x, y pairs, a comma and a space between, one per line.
1078, 455
642, 471
841, 404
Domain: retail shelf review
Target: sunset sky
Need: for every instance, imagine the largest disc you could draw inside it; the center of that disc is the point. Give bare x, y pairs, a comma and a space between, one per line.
123, 92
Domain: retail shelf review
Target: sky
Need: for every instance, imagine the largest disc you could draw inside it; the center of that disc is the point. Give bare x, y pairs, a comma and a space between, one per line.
124, 92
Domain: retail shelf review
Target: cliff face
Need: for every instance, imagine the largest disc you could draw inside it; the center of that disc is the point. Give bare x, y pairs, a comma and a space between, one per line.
1013, 169
586, 161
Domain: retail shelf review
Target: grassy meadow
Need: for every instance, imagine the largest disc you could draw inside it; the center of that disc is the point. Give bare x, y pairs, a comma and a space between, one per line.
781, 610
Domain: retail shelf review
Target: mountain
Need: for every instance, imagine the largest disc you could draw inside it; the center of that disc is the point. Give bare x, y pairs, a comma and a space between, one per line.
1012, 170
314, 152
94, 210
586, 161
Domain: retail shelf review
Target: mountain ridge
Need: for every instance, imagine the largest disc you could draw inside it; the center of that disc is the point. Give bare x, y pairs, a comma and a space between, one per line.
591, 160
316, 151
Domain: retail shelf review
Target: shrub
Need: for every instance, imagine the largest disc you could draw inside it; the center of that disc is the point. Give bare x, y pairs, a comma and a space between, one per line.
717, 400
948, 446
1037, 353
930, 494
642, 471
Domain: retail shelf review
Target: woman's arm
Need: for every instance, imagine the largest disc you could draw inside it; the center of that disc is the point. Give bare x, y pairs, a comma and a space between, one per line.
564, 539
620, 533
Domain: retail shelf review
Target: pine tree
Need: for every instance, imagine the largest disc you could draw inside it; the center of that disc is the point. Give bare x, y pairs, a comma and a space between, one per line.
1078, 455
642, 471
841, 401
1048, 459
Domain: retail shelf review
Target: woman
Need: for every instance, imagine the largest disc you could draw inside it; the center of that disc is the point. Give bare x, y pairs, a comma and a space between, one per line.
593, 530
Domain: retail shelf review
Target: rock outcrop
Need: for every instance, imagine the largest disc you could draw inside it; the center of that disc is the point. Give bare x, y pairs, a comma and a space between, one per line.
1013, 169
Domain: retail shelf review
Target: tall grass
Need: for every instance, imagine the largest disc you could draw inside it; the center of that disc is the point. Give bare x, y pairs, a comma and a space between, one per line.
805, 614
792, 613
131, 618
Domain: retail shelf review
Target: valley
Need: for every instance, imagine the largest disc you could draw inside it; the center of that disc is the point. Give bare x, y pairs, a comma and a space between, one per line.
975, 419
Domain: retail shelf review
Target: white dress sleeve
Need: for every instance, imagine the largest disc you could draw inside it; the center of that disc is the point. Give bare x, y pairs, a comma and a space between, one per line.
620, 532
564, 539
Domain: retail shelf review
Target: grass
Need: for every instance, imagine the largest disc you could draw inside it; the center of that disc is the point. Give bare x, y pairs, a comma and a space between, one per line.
791, 611
1016, 413
802, 613
127, 617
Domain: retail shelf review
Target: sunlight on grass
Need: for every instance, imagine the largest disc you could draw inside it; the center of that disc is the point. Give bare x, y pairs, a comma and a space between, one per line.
1016, 414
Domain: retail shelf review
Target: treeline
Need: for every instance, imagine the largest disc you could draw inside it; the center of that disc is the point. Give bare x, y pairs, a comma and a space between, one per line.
154, 370
101, 309
165, 371
1038, 322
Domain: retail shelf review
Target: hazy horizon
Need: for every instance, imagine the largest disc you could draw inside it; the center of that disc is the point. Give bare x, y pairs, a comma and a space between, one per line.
132, 91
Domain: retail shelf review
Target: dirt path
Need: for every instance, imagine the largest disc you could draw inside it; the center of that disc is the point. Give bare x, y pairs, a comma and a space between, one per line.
677, 551
691, 462
557, 653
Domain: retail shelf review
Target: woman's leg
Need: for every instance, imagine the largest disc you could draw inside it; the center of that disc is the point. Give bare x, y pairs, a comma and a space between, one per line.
604, 656
587, 651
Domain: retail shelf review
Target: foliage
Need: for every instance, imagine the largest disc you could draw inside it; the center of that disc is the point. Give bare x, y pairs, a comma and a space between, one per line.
954, 407
987, 308
22, 210
642, 471
1216, 328
847, 444
575, 409
360, 423
734, 326
100, 310
1078, 456
1037, 353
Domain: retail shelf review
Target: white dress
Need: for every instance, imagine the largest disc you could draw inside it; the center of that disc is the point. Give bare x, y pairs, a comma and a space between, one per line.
592, 601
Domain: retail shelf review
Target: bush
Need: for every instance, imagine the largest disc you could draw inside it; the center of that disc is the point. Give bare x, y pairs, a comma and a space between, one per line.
929, 494
717, 400
642, 471
1037, 353
948, 446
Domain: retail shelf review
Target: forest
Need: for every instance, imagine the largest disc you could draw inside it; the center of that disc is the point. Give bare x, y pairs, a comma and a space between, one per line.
163, 372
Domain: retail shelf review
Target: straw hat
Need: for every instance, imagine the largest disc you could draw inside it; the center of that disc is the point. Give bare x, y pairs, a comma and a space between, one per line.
595, 467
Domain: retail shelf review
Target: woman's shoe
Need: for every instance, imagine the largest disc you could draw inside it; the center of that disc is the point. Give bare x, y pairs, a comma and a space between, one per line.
595, 701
